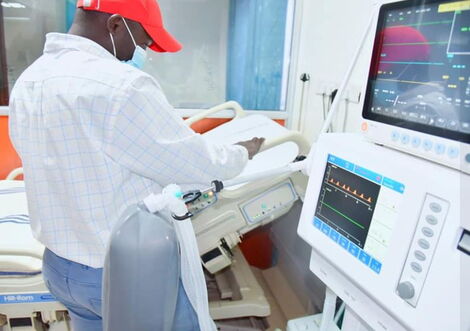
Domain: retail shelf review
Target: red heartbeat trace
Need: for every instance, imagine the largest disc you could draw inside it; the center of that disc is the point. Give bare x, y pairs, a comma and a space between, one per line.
349, 190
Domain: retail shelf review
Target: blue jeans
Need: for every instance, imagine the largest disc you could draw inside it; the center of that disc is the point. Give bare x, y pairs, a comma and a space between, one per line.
78, 288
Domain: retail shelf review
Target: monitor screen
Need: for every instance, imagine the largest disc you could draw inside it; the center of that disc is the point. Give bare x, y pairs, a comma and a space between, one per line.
357, 209
420, 70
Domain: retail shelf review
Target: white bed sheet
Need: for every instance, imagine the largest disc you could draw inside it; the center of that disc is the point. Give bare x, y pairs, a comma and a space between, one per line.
251, 126
16, 236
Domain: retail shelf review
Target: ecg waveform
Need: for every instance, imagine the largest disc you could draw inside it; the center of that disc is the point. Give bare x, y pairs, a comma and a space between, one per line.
349, 190
347, 202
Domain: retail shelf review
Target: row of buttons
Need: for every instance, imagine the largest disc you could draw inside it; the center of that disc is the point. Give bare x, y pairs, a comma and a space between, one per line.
427, 232
426, 144
353, 249
425, 239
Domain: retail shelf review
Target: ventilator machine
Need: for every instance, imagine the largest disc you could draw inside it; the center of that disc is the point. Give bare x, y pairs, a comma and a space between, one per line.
385, 210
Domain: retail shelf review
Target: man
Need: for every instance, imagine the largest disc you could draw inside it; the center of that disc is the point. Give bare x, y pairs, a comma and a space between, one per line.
96, 135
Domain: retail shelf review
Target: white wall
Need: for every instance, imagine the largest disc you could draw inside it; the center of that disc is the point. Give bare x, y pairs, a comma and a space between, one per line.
331, 31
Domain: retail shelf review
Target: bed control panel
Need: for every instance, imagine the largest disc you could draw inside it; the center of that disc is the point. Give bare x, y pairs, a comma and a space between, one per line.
269, 203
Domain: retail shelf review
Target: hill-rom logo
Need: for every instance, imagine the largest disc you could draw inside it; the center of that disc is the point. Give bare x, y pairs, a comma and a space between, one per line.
26, 298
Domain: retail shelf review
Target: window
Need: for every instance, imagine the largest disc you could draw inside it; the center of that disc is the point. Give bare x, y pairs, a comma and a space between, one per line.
233, 49
25, 24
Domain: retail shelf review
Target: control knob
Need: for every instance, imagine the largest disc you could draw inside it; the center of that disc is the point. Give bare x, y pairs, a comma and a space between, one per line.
406, 290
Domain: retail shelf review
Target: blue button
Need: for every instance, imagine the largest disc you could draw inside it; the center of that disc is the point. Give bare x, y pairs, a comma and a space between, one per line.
395, 135
334, 235
317, 223
353, 249
415, 142
325, 229
364, 257
427, 145
453, 152
405, 139
467, 158
439, 149
343, 242
375, 265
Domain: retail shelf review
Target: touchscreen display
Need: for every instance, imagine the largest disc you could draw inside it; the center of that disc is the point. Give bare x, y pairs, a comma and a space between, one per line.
357, 209
420, 70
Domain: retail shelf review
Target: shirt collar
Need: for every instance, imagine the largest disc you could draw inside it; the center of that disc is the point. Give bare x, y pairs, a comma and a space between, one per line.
56, 42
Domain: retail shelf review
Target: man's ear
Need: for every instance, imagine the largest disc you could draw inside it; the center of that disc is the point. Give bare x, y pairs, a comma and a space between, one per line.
114, 23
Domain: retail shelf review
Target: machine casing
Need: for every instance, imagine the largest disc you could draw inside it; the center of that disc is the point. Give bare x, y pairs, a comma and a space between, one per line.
373, 296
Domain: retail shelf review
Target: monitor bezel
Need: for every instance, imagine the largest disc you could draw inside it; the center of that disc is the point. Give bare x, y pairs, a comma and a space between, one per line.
399, 122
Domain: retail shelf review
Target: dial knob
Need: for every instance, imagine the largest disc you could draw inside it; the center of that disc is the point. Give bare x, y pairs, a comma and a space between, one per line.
406, 290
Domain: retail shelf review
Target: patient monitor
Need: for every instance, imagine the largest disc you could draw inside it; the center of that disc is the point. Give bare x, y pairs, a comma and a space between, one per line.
418, 93
387, 213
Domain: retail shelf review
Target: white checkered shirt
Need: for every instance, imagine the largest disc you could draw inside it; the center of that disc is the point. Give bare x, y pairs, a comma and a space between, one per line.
96, 135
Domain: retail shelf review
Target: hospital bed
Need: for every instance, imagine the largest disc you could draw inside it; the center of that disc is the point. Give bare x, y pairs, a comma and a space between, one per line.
244, 207
25, 303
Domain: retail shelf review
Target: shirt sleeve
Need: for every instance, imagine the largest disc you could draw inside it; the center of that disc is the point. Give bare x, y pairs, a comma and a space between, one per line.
148, 137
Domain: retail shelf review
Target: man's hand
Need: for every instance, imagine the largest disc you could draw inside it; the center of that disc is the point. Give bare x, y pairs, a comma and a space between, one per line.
252, 146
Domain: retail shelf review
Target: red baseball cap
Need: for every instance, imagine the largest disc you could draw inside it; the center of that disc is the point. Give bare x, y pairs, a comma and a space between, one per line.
146, 12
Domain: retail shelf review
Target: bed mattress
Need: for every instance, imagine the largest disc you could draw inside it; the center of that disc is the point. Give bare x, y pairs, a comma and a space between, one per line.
15, 233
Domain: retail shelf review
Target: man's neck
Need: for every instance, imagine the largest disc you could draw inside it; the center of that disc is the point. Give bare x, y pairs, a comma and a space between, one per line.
78, 30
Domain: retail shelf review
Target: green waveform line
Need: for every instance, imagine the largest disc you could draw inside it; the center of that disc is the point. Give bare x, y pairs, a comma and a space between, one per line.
408, 81
423, 24
423, 43
346, 217
405, 62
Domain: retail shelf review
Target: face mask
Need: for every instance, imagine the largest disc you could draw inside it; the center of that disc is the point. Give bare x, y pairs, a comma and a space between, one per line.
140, 55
